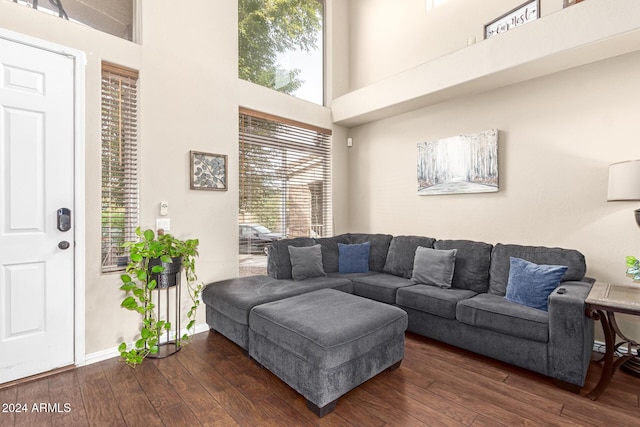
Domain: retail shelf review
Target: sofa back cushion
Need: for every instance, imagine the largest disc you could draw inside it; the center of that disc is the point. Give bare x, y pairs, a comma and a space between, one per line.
402, 251
278, 259
330, 254
500, 263
378, 251
473, 260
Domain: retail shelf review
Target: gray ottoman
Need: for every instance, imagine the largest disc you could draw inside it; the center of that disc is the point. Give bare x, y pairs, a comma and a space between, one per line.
229, 302
327, 342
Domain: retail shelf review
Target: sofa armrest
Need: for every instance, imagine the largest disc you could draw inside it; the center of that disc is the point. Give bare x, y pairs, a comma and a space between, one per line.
570, 333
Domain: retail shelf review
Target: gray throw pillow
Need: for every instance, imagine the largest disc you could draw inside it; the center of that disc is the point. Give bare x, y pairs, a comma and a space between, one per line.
434, 266
306, 262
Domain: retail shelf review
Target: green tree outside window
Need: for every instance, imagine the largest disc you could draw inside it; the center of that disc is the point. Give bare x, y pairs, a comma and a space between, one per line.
269, 28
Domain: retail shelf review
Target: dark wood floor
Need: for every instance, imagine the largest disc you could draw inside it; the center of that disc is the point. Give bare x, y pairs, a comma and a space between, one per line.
211, 382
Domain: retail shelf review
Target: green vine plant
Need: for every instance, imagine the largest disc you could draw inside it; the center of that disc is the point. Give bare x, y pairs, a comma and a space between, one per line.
139, 281
633, 267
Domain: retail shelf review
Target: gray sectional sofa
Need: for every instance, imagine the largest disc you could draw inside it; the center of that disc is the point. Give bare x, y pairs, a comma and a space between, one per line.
472, 313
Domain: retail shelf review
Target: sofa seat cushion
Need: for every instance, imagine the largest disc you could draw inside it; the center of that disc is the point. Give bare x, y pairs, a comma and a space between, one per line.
327, 328
236, 297
432, 300
352, 276
495, 313
380, 286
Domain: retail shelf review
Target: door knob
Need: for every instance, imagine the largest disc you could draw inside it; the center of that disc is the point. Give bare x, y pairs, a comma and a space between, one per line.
64, 245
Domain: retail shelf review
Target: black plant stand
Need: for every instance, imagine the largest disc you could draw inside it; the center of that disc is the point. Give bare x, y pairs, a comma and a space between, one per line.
168, 282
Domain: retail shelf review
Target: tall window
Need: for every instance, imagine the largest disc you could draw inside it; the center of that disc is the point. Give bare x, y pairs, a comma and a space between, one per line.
280, 46
285, 176
119, 163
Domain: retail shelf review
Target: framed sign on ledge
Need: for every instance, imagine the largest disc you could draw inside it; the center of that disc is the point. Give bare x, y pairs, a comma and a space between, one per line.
522, 14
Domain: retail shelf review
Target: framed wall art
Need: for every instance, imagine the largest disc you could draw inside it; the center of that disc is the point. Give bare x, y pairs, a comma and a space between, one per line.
459, 164
522, 14
208, 171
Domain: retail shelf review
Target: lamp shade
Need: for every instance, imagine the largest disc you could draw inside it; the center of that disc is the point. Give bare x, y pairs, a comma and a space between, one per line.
624, 181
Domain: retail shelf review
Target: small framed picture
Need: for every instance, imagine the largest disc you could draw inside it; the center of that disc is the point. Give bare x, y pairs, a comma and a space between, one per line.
208, 171
526, 12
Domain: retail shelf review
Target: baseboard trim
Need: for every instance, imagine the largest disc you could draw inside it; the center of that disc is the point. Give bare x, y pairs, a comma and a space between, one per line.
109, 353
600, 347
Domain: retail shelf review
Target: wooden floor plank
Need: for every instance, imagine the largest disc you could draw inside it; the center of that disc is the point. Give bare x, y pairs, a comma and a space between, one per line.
421, 409
212, 382
135, 406
244, 375
178, 415
100, 403
35, 397
155, 386
408, 381
490, 389
63, 379
69, 398
362, 407
463, 359
206, 409
8, 397
498, 412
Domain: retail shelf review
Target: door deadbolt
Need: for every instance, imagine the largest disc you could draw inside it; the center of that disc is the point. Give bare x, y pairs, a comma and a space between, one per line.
64, 219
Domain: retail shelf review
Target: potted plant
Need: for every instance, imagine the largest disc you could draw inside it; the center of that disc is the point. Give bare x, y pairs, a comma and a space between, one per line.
154, 260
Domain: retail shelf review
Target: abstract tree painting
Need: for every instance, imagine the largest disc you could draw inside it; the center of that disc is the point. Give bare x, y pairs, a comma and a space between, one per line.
459, 164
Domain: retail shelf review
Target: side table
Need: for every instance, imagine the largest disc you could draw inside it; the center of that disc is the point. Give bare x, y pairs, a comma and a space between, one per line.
603, 302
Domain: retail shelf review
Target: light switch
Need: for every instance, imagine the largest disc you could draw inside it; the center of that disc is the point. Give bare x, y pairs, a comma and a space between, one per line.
164, 208
163, 223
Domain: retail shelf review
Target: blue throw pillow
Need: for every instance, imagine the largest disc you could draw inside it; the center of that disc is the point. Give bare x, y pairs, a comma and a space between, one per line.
353, 258
531, 284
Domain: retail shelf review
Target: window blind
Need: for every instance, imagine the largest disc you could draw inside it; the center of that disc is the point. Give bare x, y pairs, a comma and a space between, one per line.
285, 175
119, 214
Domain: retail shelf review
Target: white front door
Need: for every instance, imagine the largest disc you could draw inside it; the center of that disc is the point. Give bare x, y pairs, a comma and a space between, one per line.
36, 181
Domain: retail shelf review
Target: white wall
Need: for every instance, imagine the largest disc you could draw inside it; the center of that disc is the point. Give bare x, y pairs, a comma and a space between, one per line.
558, 134
189, 98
